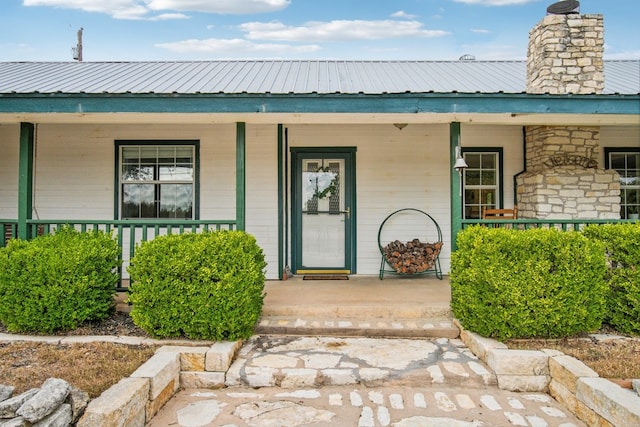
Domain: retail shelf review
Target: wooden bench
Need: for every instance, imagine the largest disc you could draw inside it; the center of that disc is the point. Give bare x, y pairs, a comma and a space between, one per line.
500, 213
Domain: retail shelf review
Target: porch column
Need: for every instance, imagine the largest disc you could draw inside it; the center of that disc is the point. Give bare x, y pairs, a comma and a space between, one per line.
25, 180
241, 130
454, 197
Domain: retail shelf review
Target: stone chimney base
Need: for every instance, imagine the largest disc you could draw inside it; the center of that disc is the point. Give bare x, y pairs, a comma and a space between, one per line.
569, 192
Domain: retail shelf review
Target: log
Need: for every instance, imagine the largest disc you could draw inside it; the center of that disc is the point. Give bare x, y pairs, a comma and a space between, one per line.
411, 257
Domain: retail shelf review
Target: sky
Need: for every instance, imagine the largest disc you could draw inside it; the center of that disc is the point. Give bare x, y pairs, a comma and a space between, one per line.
164, 30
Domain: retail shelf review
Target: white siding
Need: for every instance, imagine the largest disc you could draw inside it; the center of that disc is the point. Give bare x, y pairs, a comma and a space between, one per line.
262, 191
618, 137
9, 154
510, 139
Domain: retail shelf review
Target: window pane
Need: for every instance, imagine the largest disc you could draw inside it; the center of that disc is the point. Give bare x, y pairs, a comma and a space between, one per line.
176, 173
489, 161
617, 161
137, 173
176, 201
472, 177
488, 177
138, 201
473, 160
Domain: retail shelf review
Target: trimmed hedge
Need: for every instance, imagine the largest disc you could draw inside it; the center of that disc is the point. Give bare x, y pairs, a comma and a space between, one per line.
527, 283
201, 286
58, 281
622, 248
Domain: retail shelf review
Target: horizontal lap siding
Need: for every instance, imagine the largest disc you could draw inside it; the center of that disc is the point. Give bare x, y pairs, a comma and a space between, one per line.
262, 191
618, 137
9, 154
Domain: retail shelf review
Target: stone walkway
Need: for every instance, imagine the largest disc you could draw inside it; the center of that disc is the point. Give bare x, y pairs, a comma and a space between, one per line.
322, 381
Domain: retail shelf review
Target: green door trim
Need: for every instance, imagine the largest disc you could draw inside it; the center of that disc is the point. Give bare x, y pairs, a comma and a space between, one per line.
349, 154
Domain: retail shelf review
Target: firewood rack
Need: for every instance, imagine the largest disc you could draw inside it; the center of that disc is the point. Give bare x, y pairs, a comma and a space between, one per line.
410, 224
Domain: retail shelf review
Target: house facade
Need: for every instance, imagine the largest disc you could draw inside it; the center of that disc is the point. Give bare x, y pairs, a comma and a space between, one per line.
311, 157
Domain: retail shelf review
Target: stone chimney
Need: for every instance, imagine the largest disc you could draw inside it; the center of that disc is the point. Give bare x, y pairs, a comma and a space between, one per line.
562, 178
565, 55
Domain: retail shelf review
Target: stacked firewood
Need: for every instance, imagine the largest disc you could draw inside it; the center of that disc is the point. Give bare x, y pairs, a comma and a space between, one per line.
411, 257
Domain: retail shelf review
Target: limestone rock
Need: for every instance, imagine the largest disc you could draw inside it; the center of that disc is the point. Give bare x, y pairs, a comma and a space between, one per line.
52, 394
269, 413
16, 422
78, 400
61, 417
9, 407
636, 386
5, 392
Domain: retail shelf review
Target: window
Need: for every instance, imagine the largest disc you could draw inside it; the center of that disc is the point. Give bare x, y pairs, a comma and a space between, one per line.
627, 163
157, 179
482, 181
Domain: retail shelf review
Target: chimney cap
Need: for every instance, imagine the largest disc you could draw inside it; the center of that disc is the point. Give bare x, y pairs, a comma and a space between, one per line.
565, 7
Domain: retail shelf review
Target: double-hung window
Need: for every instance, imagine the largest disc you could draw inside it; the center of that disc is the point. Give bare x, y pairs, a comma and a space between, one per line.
157, 179
482, 181
626, 161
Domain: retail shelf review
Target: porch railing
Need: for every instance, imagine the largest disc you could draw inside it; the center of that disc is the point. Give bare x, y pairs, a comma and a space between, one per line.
128, 233
525, 224
8, 229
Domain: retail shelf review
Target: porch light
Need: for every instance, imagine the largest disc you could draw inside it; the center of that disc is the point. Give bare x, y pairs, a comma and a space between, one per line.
460, 165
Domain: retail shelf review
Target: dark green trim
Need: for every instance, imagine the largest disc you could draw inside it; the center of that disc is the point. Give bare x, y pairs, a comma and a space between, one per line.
280, 148
518, 103
455, 197
500, 152
25, 179
349, 155
241, 136
130, 142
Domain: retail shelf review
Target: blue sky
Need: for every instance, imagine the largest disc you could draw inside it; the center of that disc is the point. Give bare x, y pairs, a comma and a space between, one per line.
132, 30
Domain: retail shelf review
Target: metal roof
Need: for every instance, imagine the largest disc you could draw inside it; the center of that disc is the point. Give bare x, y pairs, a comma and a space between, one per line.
287, 77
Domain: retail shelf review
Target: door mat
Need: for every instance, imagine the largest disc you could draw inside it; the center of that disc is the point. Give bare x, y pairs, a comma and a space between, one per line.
326, 277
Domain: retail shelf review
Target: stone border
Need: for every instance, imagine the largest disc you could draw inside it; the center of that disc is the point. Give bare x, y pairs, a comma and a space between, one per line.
135, 400
596, 401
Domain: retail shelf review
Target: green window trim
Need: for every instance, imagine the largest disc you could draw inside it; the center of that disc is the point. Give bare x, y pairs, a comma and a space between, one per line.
629, 177
491, 195
154, 171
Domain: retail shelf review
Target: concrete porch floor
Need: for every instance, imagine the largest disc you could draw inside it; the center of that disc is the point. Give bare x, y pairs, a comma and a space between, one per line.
361, 306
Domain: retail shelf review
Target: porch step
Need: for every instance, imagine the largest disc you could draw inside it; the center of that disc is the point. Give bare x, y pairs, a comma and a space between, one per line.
439, 327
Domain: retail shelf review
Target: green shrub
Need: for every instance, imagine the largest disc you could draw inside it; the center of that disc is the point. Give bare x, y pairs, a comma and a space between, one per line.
622, 248
531, 283
201, 286
58, 281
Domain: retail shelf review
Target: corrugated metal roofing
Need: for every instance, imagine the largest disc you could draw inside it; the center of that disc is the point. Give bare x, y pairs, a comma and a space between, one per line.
287, 77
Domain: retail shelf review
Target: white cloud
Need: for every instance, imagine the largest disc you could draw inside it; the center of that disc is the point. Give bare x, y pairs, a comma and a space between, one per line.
144, 9
480, 31
236, 48
496, 2
339, 30
401, 14
236, 7
169, 16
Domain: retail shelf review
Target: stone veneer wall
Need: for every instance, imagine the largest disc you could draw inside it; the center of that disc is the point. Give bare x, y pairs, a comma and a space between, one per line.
562, 179
565, 55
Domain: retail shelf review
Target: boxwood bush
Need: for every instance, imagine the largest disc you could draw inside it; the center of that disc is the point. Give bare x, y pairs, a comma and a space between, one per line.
527, 283
202, 286
622, 249
58, 281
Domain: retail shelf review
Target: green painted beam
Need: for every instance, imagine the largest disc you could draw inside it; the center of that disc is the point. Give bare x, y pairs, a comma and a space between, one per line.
409, 103
241, 136
280, 170
25, 180
455, 197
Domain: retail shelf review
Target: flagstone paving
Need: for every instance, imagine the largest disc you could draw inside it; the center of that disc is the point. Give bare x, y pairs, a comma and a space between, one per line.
322, 381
